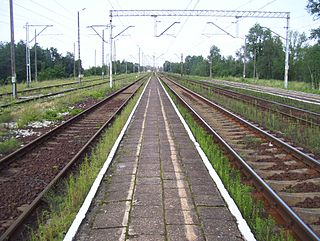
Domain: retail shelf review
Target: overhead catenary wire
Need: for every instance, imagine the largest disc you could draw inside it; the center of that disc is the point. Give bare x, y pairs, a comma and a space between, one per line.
50, 10
60, 5
43, 16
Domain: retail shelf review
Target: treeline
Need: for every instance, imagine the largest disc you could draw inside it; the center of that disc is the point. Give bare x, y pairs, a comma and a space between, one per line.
50, 63
263, 54
118, 67
53, 65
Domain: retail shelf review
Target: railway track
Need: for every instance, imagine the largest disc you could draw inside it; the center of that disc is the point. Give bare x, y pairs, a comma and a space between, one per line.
296, 95
28, 173
45, 87
288, 179
304, 117
25, 99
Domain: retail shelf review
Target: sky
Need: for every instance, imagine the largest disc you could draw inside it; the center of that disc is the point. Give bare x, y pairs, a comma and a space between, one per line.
191, 36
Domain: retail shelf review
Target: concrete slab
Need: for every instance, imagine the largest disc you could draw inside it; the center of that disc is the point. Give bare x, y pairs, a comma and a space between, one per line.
179, 233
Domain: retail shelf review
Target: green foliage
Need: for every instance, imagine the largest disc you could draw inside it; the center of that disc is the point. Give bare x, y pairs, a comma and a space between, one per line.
51, 115
313, 8
50, 63
8, 146
74, 111
5, 116
29, 114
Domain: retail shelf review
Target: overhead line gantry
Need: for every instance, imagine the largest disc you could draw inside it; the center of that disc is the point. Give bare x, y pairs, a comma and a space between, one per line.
208, 13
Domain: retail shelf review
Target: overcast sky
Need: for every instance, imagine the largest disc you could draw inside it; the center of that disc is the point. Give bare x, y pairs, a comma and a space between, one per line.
192, 36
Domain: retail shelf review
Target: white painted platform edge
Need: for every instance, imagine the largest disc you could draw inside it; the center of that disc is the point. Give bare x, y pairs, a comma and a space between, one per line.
241, 222
94, 188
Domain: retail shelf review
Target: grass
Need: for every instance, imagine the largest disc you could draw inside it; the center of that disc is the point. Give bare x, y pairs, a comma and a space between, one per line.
8, 146
64, 204
305, 136
274, 98
23, 86
292, 85
5, 116
50, 109
262, 225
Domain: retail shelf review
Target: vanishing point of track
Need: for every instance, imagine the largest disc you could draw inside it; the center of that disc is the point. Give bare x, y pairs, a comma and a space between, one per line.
28, 173
287, 178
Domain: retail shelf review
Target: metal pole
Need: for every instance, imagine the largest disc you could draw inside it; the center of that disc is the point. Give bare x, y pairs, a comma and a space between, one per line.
114, 57
95, 62
139, 61
210, 68
102, 73
142, 62
79, 64
181, 65
27, 55
29, 61
286, 67
154, 63
254, 64
74, 60
13, 55
35, 56
244, 58
110, 42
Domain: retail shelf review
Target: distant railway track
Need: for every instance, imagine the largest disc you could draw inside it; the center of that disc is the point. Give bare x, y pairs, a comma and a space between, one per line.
297, 114
45, 87
287, 178
291, 94
28, 173
25, 99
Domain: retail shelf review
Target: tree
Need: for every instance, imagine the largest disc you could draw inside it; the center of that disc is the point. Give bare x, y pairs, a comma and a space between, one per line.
215, 60
313, 7
266, 53
312, 63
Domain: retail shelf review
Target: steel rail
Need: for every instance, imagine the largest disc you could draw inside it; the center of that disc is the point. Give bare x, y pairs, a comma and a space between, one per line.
302, 230
45, 87
233, 94
296, 152
290, 94
37, 141
20, 220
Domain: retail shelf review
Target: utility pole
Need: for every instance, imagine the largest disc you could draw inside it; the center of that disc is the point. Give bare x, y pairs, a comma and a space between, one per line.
244, 58
111, 37
13, 55
110, 42
181, 65
139, 59
114, 56
74, 60
95, 61
254, 63
102, 70
103, 41
28, 69
286, 66
210, 67
35, 48
35, 56
79, 59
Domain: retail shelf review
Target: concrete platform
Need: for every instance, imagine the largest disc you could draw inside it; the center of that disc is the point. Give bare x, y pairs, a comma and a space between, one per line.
158, 187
